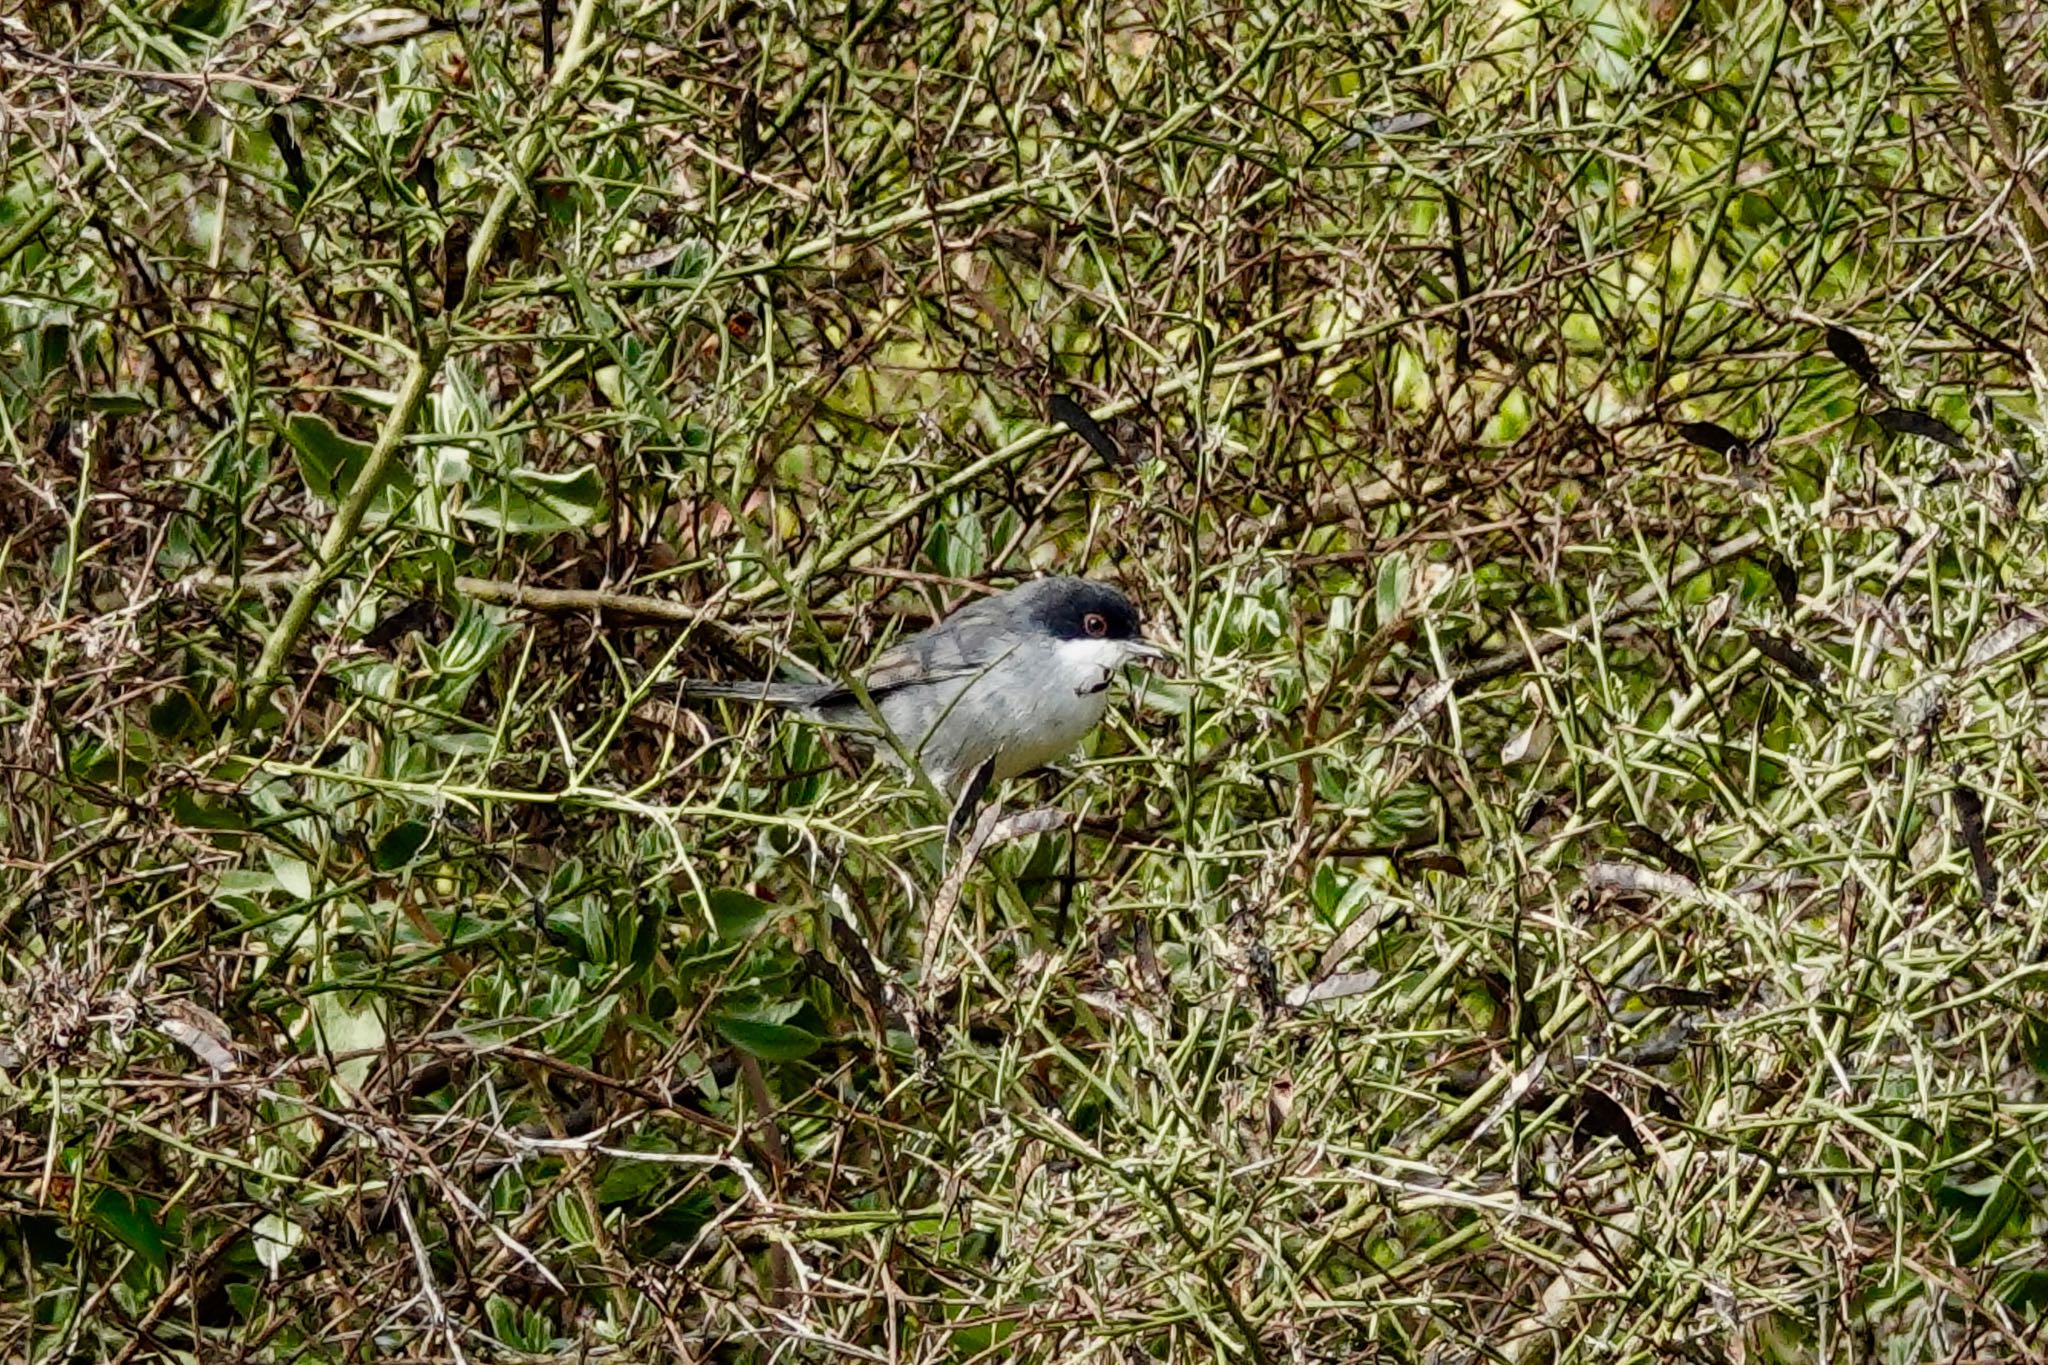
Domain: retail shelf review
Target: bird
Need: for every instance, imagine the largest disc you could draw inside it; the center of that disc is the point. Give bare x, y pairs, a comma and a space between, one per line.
1006, 684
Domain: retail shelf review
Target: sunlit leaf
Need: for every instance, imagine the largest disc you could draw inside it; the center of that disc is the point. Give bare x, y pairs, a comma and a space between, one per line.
330, 463
528, 501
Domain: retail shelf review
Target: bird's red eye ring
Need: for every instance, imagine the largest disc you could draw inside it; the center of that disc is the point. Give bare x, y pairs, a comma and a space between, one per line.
1096, 624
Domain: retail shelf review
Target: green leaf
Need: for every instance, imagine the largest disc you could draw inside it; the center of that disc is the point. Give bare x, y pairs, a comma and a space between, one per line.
734, 914
330, 463
400, 845
625, 1179
680, 1218
203, 810
95, 760
768, 1041
523, 1329
133, 1222
1971, 1239
328, 460
201, 16
527, 501
646, 936
463, 746
572, 1220
338, 1025
294, 875
503, 1316
1388, 591
177, 717
2024, 1290
2033, 1042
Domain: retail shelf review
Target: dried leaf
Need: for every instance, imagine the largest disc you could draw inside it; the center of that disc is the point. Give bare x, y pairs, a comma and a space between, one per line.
1920, 707
1396, 125
1970, 829
1116, 1005
1715, 437
1524, 1081
1645, 840
1785, 578
1773, 882
1337, 987
1150, 973
860, 966
2002, 641
1558, 804
199, 1031
1422, 708
1347, 941
1601, 1115
1912, 422
1532, 740
1680, 995
1788, 656
1252, 962
648, 261
1026, 823
1848, 348
419, 614
1632, 879
1075, 418
1713, 615
1450, 864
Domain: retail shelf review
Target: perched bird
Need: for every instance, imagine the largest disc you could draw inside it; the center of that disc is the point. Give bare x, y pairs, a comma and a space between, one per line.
1005, 684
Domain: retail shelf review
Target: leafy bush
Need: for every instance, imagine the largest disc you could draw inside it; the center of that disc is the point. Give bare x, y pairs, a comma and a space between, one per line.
1576, 897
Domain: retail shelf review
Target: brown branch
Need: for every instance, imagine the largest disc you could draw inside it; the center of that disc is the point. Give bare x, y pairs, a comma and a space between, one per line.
498, 592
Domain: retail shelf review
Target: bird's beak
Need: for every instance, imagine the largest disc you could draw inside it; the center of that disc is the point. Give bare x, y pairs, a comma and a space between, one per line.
1138, 647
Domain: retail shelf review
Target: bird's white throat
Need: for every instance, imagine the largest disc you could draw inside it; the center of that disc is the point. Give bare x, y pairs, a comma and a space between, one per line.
1089, 664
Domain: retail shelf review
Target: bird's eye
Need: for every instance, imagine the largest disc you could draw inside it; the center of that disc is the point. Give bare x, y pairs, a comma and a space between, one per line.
1096, 624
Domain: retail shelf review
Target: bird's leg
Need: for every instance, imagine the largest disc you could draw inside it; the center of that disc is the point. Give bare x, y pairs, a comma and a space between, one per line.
992, 830
970, 797
1059, 927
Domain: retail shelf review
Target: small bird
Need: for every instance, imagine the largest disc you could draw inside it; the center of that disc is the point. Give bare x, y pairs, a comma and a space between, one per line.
1005, 684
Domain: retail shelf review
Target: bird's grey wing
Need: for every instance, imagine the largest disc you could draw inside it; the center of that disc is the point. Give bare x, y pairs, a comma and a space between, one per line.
966, 643
963, 645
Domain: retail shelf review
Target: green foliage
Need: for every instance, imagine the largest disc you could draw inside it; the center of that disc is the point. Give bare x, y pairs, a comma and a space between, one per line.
1576, 895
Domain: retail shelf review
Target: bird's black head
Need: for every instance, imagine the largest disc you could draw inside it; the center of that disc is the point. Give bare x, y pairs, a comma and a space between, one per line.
1080, 609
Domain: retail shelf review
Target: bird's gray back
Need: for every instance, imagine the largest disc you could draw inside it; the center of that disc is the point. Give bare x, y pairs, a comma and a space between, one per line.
965, 643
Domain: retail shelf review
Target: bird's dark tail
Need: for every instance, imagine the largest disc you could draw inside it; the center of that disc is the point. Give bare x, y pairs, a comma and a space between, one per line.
773, 693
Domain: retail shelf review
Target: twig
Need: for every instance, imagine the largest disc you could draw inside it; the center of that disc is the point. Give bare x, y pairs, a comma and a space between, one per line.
948, 898
500, 592
992, 830
1642, 599
437, 1311
337, 543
